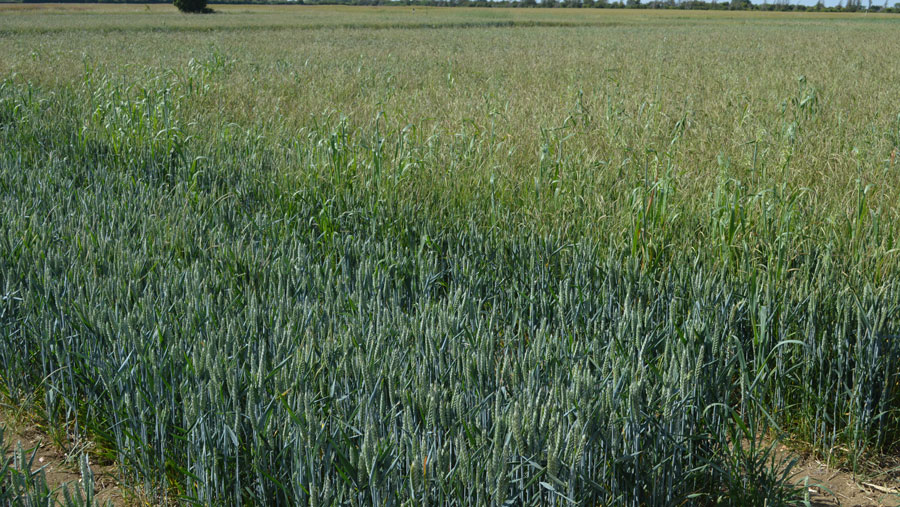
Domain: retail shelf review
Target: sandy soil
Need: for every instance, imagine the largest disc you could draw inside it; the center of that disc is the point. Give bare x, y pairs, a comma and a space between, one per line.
60, 470
828, 487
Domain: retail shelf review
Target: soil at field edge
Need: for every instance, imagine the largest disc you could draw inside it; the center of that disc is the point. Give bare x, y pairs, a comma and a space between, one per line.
830, 487
827, 487
58, 468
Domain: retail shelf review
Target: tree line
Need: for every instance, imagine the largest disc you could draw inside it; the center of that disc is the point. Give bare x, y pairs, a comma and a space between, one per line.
732, 5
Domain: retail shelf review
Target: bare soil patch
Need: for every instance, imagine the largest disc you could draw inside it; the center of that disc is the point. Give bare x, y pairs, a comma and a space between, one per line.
829, 487
59, 467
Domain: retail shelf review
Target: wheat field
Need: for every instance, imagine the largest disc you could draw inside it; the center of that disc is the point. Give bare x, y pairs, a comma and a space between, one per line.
408, 256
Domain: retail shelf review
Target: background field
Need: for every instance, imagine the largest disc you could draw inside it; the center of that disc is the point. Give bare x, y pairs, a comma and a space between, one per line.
356, 255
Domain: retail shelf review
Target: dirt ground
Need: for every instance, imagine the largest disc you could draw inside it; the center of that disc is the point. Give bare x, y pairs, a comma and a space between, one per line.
58, 468
828, 487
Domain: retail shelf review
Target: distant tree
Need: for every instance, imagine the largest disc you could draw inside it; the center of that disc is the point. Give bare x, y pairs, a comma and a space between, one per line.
192, 6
